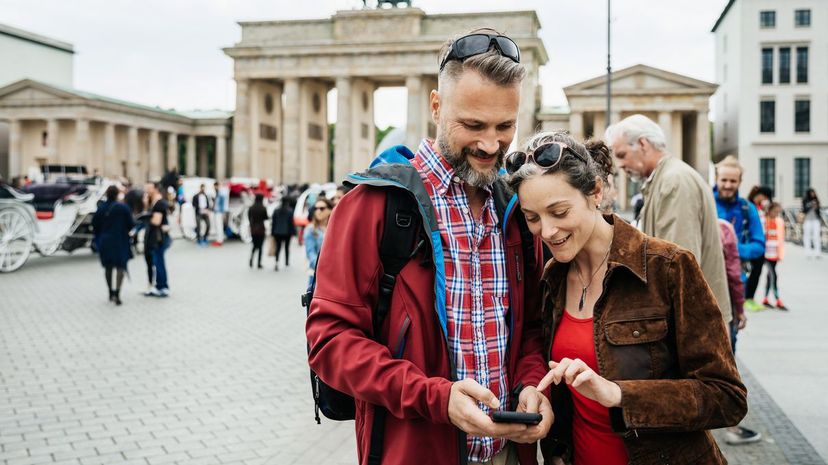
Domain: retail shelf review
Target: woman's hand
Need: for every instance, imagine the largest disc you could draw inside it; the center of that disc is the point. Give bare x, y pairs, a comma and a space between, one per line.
579, 376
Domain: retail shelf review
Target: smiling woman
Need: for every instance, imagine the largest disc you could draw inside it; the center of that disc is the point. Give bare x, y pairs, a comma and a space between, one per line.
632, 330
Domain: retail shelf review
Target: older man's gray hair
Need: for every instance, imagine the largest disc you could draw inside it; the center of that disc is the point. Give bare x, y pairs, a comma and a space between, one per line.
634, 128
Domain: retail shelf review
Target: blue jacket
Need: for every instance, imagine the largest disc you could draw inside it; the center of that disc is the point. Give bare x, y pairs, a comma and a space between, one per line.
751, 243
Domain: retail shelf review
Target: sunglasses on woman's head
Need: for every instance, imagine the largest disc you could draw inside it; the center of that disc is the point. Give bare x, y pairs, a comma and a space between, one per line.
546, 156
477, 44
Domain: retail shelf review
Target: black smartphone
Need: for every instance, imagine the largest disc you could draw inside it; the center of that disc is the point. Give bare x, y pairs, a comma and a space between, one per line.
502, 416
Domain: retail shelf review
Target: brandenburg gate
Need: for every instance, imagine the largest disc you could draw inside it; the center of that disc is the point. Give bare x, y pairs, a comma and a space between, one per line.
284, 70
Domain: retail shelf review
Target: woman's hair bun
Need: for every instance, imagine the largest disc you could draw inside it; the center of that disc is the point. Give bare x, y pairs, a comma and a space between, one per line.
600, 153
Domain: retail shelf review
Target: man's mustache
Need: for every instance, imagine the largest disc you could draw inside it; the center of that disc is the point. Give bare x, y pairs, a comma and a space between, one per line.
465, 152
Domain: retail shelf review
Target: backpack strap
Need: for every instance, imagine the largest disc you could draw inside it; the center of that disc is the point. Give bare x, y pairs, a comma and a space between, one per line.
745, 221
397, 246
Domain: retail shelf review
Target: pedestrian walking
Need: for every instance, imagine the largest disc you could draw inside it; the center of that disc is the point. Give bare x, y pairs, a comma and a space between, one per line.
678, 205
257, 215
315, 233
811, 224
220, 211
774, 253
638, 307
111, 225
202, 205
157, 239
744, 216
282, 229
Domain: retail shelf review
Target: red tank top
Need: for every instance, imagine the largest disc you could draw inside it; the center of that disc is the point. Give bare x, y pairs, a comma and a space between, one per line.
594, 441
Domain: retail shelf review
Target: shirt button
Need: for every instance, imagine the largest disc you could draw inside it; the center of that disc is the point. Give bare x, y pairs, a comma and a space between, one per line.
636, 333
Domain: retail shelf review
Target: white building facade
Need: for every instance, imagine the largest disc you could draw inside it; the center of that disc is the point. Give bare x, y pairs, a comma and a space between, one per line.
26, 55
772, 103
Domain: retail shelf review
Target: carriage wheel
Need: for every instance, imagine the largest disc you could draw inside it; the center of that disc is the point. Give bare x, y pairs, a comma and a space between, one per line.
16, 235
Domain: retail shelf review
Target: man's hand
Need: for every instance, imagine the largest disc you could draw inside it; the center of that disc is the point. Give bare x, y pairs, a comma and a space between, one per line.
464, 413
533, 401
579, 376
742, 322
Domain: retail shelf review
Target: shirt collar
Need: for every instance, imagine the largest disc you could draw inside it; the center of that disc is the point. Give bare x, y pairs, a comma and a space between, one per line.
645, 186
435, 167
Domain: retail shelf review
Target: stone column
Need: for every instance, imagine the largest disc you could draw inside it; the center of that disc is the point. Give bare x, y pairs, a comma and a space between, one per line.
15, 155
254, 123
52, 137
110, 167
82, 146
132, 155
191, 155
203, 160
665, 121
172, 152
702, 156
528, 109
156, 168
221, 158
576, 125
414, 129
291, 167
599, 124
344, 128
241, 130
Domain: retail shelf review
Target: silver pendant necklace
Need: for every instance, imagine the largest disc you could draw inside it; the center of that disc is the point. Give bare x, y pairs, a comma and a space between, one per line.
584, 287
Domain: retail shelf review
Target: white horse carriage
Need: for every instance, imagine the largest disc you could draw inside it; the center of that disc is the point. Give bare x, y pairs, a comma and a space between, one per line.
47, 217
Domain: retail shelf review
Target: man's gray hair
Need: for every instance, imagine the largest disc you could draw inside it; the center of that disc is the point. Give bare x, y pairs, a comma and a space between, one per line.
491, 65
636, 127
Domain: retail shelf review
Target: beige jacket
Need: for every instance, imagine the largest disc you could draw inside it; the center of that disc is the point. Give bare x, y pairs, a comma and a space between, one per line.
679, 207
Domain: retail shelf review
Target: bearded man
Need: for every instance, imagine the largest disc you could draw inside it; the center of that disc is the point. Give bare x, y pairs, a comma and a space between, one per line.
461, 337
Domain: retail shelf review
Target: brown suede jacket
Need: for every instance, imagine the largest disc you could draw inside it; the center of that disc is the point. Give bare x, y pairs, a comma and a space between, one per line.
660, 336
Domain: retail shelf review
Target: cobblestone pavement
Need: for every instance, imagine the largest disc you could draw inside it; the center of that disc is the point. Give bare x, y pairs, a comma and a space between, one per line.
215, 374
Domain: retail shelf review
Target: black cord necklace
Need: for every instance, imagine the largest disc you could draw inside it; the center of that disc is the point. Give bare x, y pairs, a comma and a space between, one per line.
584, 287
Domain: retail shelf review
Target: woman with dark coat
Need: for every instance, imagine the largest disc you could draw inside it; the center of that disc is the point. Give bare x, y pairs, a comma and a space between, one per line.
257, 214
283, 229
112, 224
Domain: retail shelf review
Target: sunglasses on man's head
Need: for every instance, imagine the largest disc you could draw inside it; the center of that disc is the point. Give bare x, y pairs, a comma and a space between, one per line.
546, 156
477, 44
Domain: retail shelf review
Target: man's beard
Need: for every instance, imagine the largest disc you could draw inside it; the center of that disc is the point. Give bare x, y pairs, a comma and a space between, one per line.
464, 170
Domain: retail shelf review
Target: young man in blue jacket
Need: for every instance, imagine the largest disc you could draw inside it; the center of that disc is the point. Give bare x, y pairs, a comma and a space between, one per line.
750, 236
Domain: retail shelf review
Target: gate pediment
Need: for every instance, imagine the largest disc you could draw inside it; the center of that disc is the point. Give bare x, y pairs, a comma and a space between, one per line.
642, 79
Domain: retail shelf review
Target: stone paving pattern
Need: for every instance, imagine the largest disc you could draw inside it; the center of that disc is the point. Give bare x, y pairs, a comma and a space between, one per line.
215, 374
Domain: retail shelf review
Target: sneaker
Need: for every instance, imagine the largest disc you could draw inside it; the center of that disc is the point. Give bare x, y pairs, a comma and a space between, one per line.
766, 303
742, 435
152, 293
753, 305
163, 293
780, 305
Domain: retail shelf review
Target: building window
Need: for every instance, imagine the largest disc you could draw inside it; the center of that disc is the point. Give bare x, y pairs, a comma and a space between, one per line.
802, 18
724, 139
767, 66
767, 172
784, 65
802, 65
802, 176
802, 115
767, 19
767, 115
724, 73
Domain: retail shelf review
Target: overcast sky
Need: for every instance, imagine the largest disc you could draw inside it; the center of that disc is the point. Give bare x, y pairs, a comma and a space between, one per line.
168, 52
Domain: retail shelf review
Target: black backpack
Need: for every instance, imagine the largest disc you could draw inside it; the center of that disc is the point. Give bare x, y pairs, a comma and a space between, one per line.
398, 245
